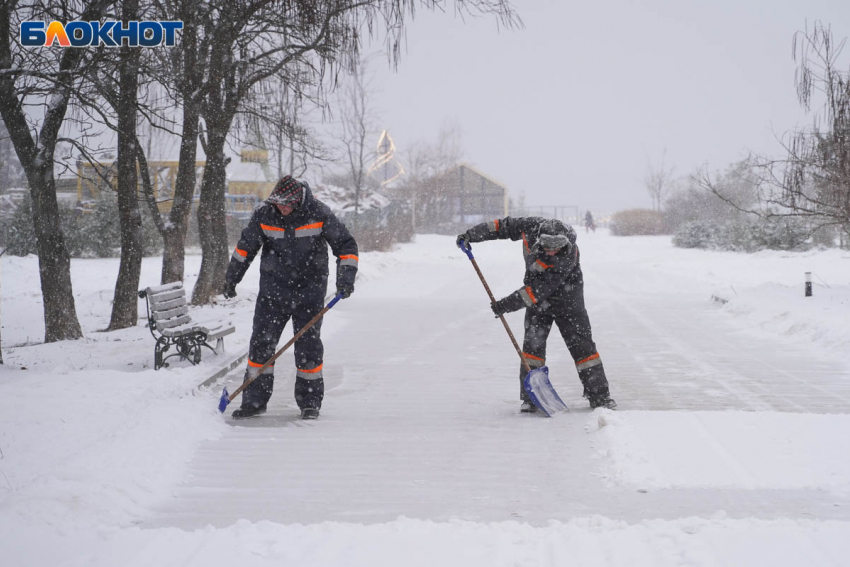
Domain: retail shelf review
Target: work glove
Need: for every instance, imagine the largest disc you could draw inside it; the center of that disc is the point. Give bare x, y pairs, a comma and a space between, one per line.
229, 291
464, 238
500, 307
345, 290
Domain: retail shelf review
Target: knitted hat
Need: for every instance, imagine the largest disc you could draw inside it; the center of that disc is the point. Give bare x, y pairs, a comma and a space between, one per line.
288, 191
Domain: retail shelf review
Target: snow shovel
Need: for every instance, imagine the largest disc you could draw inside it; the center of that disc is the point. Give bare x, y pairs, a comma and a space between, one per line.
227, 398
536, 382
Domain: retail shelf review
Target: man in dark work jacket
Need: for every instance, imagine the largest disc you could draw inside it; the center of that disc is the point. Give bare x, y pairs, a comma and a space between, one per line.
293, 229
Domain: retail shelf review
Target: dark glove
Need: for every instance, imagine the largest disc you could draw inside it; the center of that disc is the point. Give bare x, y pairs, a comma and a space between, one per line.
229, 291
464, 238
345, 290
500, 307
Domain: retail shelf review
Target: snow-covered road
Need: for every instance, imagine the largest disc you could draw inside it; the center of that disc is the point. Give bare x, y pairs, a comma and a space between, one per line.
729, 448
421, 417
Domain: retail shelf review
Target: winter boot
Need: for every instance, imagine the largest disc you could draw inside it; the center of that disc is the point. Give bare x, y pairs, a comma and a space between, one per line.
602, 400
248, 411
528, 407
309, 393
309, 413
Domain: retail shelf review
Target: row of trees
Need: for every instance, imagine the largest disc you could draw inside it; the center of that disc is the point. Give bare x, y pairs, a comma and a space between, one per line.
236, 61
774, 202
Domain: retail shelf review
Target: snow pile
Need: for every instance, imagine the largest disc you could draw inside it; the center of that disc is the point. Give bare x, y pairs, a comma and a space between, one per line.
764, 289
593, 541
93, 448
822, 319
741, 450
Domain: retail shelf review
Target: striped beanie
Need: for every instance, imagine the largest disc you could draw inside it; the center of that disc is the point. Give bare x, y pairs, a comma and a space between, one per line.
288, 191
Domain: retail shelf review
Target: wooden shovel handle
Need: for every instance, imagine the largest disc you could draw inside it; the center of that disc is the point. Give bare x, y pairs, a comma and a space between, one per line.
289, 343
501, 317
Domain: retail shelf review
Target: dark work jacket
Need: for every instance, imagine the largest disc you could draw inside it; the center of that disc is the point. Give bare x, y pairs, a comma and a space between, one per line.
294, 261
548, 279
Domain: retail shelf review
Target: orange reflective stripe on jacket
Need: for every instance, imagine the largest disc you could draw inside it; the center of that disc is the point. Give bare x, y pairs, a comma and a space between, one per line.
309, 226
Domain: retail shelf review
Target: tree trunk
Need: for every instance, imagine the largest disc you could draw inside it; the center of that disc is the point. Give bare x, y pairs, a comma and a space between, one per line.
125, 305
191, 78
54, 262
174, 239
212, 223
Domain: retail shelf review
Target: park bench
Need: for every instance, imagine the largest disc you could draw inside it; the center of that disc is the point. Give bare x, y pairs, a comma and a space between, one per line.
171, 326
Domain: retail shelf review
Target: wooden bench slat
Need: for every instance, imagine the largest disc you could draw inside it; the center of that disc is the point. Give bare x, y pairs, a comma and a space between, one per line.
178, 331
170, 304
216, 329
165, 287
166, 296
221, 332
175, 322
169, 313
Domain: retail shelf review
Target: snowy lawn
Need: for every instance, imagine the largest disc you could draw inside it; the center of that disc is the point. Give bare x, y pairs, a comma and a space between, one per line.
101, 456
745, 450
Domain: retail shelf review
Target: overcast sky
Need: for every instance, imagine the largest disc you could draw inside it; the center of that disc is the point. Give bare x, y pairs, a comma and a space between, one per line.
571, 108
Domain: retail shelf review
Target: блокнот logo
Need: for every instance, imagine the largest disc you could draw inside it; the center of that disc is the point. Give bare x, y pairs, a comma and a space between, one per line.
93, 34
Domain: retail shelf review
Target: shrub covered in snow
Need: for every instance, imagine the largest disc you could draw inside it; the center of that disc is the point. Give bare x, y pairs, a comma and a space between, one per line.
93, 232
743, 234
18, 234
636, 222
381, 222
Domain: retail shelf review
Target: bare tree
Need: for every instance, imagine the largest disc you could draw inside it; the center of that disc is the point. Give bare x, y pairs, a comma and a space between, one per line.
112, 100
357, 131
187, 67
425, 164
658, 181
49, 77
285, 116
125, 312
812, 181
257, 40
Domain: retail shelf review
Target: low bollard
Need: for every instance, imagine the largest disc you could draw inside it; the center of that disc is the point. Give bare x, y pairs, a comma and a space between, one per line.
808, 284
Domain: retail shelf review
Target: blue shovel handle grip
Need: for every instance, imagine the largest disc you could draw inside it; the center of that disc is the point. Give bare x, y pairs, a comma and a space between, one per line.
334, 300
467, 248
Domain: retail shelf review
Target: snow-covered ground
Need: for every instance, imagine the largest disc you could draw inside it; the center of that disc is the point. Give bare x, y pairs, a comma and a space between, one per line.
731, 445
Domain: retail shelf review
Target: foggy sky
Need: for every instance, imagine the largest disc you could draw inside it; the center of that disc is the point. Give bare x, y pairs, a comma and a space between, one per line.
572, 108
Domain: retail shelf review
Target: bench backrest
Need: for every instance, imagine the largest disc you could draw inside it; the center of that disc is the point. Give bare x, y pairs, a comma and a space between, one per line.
168, 305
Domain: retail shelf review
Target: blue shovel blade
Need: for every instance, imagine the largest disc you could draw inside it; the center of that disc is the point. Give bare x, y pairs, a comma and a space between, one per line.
542, 393
225, 399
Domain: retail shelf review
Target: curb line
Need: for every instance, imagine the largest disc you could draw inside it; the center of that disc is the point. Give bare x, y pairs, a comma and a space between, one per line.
224, 370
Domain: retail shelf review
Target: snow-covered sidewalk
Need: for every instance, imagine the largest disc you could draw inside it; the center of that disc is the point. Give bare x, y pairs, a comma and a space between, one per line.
730, 447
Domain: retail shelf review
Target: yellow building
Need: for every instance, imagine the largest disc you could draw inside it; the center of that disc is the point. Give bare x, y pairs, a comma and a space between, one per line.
249, 181
93, 177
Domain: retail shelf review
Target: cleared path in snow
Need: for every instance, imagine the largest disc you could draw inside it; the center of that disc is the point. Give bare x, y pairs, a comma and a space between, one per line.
421, 415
